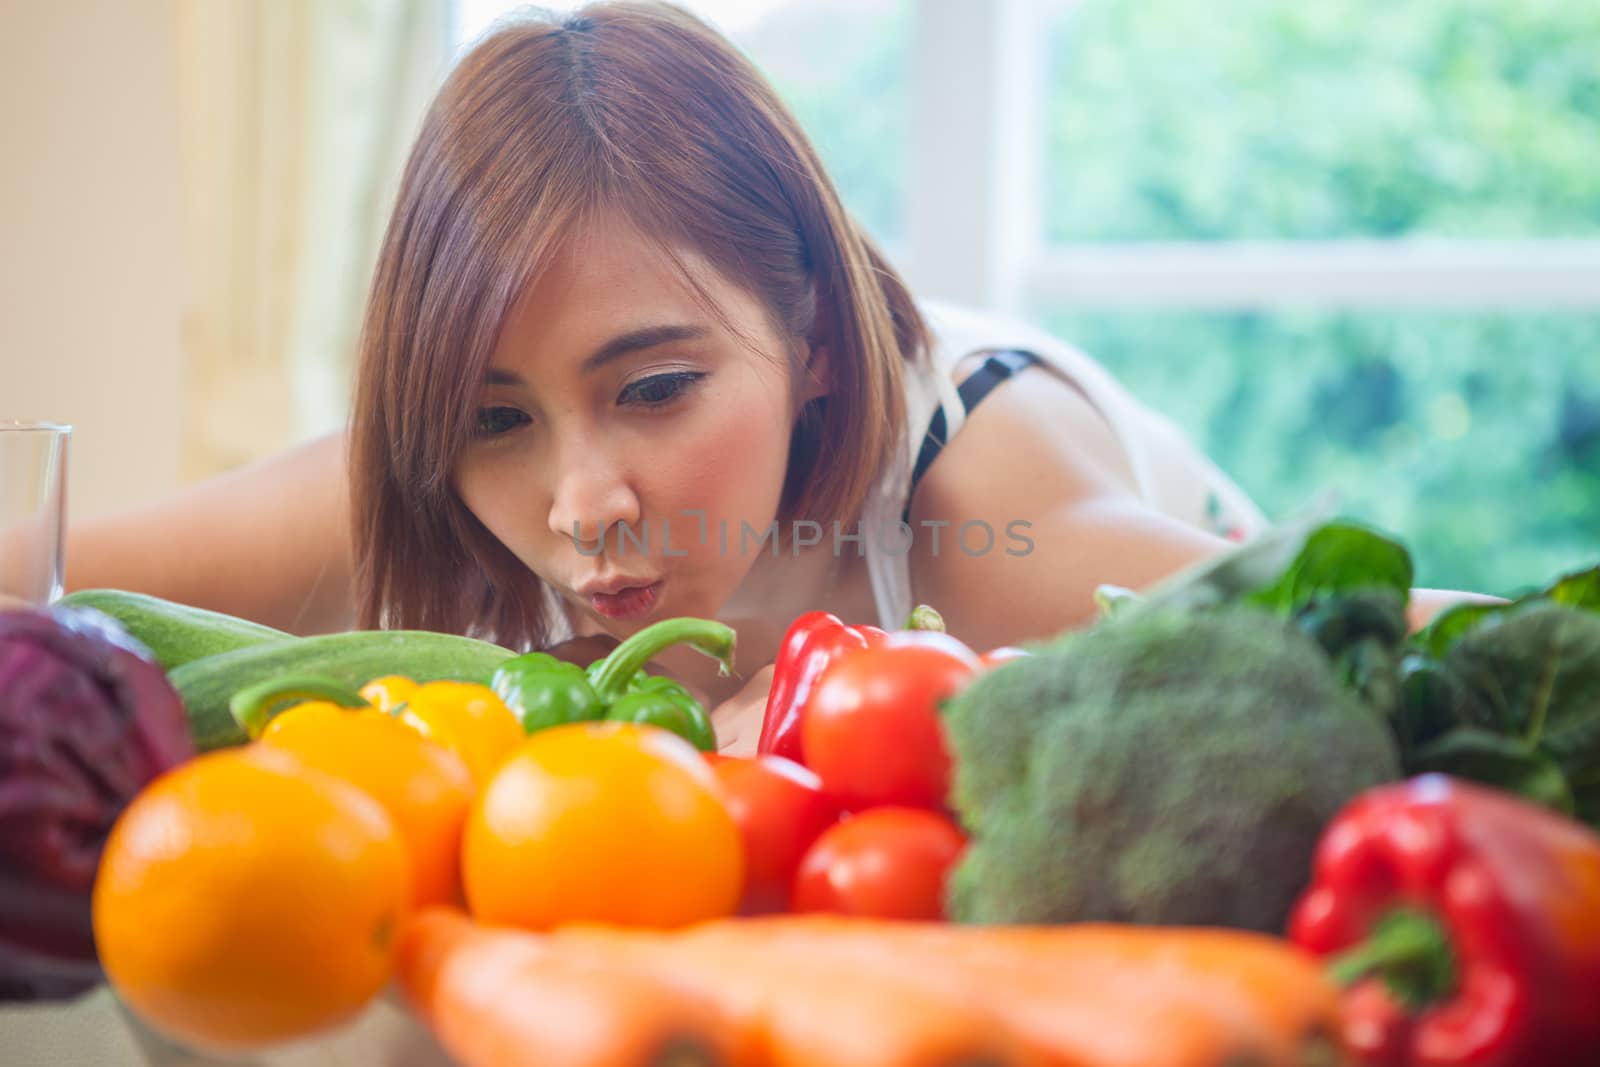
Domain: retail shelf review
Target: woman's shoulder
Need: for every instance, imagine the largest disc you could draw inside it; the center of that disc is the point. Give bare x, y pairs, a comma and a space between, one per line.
1112, 426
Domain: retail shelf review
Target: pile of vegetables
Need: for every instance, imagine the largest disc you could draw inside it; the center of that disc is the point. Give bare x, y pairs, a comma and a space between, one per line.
1196, 741
844, 808
1246, 817
1261, 744
1258, 745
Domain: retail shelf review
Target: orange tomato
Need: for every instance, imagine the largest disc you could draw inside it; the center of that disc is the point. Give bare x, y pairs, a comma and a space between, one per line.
606, 822
245, 900
425, 788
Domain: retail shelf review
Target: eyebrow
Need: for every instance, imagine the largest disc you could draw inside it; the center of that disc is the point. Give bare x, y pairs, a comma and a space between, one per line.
619, 346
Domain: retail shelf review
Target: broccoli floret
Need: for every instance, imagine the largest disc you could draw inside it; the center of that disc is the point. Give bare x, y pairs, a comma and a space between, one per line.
1161, 768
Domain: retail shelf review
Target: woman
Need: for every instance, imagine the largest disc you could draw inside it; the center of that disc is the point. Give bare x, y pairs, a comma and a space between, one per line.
627, 357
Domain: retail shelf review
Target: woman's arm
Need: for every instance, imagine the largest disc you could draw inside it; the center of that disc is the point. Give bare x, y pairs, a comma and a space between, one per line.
268, 542
1037, 452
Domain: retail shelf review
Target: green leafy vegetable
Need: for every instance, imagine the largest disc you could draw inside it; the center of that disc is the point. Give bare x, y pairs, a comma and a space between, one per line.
1506, 693
1233, 576
1363, 633
1339, 558
1581, 589
1497, 759
1451, 624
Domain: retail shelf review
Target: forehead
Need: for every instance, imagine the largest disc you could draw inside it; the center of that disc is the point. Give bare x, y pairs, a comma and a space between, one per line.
610, 278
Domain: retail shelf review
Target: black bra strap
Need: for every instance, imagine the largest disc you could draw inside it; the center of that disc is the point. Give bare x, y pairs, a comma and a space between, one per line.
977, 385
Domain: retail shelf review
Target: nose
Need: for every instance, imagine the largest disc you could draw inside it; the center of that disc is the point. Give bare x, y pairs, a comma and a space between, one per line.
593, 494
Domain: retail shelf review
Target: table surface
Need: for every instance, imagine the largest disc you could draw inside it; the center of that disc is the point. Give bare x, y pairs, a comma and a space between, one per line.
96, 1031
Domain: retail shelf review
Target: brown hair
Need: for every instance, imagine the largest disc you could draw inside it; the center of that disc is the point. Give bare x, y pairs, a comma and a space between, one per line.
631, 107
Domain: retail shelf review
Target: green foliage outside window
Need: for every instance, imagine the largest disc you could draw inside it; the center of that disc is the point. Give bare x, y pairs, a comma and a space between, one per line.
1475, 436
1343, 118
854, 103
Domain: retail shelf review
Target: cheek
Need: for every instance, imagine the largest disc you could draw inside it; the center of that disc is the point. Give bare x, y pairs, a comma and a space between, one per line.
481, 485
733, 467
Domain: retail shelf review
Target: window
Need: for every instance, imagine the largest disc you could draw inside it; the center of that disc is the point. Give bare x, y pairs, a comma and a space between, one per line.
1339, 119
1349, 246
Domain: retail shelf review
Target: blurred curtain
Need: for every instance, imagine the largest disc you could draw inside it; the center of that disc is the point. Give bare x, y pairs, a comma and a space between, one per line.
296, 116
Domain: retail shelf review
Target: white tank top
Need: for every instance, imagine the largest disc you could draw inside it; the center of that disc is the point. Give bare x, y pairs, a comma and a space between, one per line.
1171, 474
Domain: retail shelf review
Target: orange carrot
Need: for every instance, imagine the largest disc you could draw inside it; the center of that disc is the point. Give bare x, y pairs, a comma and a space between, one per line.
1270, 1000
816, 1012
825, 991
505, 998
1106, 995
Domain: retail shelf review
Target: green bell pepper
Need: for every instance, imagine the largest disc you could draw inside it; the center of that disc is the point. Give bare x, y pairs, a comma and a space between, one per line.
663, 702
544, 691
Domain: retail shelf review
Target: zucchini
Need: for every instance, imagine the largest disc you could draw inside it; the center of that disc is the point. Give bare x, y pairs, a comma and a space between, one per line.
174, 633
350, 659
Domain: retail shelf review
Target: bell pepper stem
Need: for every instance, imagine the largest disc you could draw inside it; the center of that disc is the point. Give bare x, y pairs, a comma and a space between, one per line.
1410, 951
923, 617
707, 635
254, 706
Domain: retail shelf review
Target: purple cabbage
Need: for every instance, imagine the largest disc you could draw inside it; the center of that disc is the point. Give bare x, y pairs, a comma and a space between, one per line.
87, 718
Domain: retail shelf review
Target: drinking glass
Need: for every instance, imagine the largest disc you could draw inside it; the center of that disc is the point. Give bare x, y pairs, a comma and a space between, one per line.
33, 510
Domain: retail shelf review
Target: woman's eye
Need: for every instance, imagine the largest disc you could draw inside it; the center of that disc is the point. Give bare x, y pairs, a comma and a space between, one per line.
493, 422
659, 389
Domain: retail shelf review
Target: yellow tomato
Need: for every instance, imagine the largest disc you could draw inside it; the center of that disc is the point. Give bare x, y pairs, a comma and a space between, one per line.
389, 692
312, 711
468, 719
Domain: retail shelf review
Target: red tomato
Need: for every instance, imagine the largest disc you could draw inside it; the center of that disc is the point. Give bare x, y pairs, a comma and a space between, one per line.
887, 863
780, 809
871, 729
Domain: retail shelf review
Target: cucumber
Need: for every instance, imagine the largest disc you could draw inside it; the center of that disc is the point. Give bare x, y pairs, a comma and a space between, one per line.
174, 633
351, 659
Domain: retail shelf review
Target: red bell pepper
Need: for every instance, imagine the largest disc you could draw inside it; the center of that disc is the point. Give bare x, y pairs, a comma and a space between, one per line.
812, 642
1467, 924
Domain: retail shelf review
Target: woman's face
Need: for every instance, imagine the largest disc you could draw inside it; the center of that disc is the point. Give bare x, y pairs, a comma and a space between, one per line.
617, 405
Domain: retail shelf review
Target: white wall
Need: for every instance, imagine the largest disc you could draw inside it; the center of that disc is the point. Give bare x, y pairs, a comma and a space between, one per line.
90, 270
